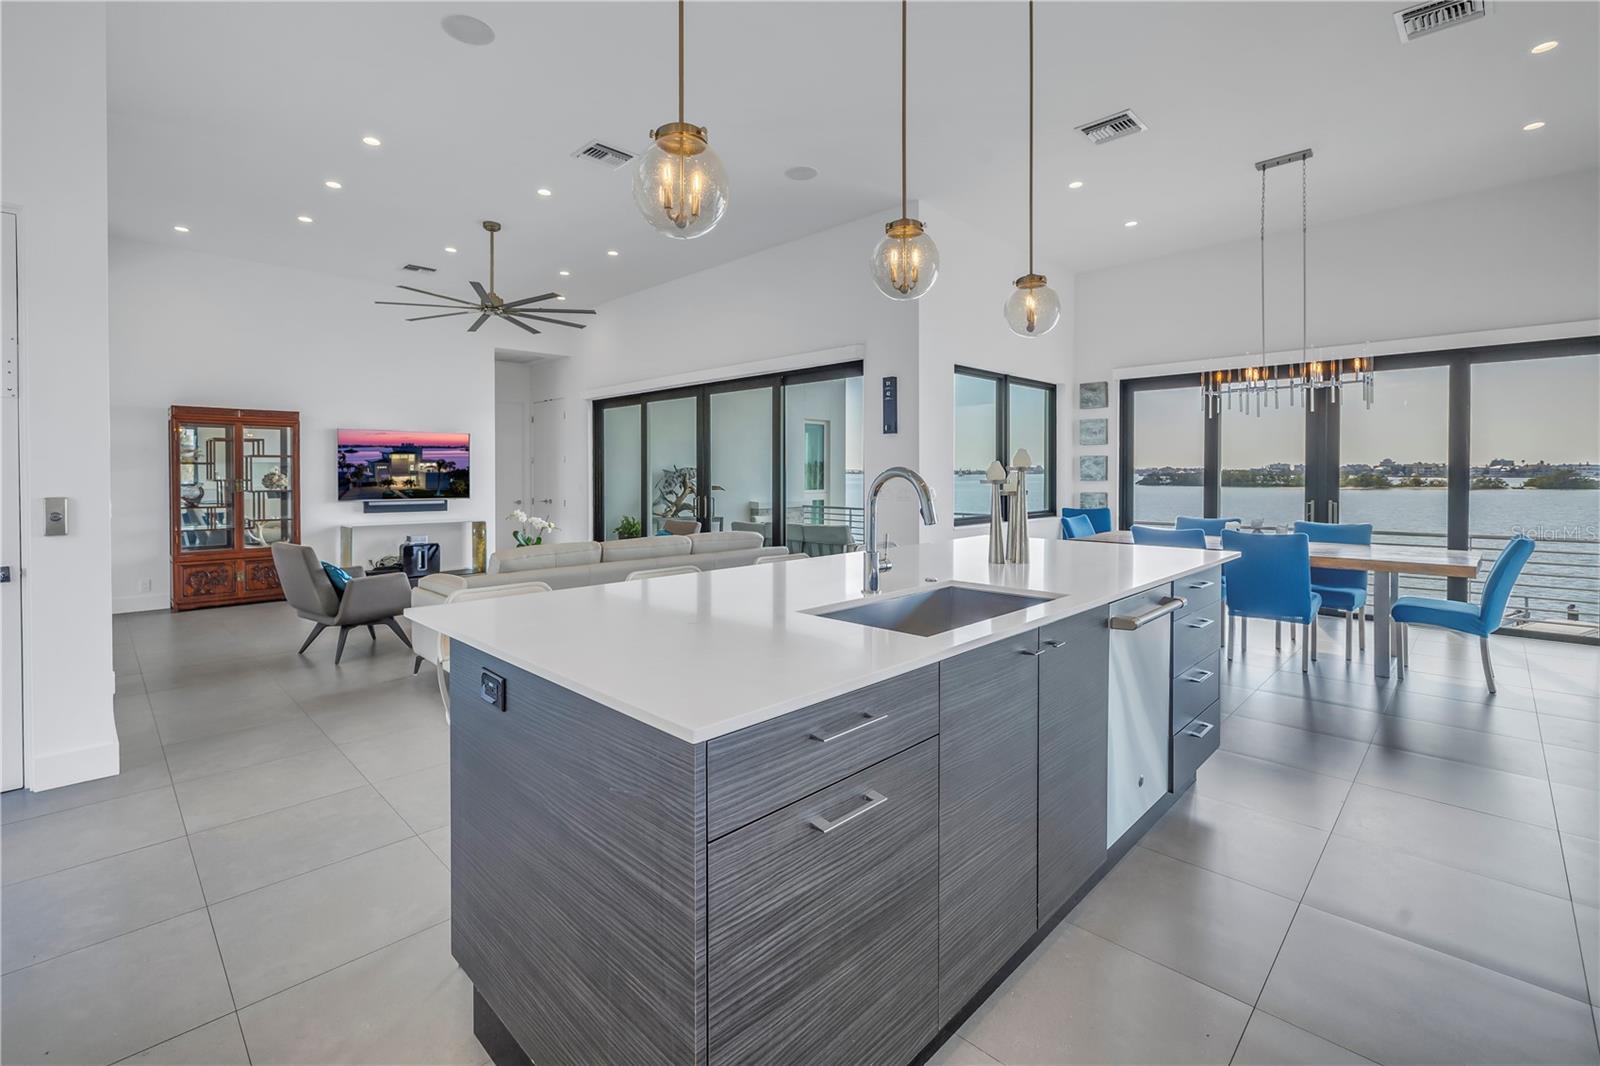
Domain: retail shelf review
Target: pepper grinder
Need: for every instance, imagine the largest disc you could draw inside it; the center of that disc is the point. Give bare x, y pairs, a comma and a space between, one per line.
1020, 463
996, 477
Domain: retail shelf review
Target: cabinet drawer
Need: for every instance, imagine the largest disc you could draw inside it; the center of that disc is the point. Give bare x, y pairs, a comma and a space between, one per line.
1196, 689
1202, 590
757, 770
823, 923
1194, 743
1195, 636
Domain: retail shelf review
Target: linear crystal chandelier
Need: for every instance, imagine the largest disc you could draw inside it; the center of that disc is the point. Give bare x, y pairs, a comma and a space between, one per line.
1256, 388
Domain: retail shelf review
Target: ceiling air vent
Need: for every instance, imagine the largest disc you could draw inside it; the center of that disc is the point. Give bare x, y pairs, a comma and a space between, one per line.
417, 269
1112, 128
1420, 20
603, 153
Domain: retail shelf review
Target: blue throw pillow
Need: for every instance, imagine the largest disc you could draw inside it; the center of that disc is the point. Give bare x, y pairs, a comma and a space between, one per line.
338, 576
1074, 526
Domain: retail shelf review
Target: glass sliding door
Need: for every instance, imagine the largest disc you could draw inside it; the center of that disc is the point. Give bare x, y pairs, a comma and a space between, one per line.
1264, 465
741, 482
822, 467
977, 432
621, 501
1168, 455
672, 464
1031, 425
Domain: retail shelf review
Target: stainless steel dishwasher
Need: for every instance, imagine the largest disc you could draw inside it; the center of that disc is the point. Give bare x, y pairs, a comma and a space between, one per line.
1139, 713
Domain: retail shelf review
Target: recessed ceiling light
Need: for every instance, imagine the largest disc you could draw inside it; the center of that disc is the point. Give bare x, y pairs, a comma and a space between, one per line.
801, 173
181, 229
371, 141
449, 250
1541, 49
1530, 127
330, 183
612, 251
467, 29
1132, 222
1074, 184
303, 218
565, 273
542, 192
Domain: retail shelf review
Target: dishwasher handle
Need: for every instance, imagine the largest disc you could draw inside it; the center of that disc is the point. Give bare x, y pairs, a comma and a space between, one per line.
1166, 606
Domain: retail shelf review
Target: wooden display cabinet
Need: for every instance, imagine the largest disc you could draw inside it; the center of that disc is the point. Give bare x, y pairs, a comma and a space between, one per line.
233, 484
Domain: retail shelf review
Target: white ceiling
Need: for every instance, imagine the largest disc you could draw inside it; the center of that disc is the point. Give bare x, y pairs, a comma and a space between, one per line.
228, 117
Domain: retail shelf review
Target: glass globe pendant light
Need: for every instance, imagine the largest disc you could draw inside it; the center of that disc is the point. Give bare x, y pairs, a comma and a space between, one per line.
906, 262
1033, 308
679, 184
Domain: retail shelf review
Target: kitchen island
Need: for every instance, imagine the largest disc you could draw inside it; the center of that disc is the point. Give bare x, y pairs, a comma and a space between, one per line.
695, 819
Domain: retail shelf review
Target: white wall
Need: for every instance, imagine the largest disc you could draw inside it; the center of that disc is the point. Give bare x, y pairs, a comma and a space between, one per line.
1518, 258
191, 328
54, 175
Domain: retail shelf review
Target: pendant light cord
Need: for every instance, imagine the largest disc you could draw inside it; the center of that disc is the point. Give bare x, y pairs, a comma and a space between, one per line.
903, 5
1263, 266
680, 62
1030, 136
1304, 350
491, 262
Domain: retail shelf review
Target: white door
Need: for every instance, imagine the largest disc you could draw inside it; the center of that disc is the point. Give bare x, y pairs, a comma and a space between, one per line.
545, 420
510, 466
10, 530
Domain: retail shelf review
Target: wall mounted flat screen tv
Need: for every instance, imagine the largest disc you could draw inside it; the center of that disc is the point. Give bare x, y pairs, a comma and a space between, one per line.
396, 464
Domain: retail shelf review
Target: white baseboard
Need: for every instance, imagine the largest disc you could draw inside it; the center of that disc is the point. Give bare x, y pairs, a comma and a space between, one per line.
61, 768
144, 601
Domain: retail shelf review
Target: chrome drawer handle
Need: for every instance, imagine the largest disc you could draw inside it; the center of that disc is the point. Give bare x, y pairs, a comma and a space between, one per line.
1201, 623
873, 797
1024, 651
1164, 607
1056, 643
866, 720
1201, 584
1205, 727
1200, 677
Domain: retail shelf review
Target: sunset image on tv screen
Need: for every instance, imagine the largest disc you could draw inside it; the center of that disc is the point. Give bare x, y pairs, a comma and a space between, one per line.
393, 464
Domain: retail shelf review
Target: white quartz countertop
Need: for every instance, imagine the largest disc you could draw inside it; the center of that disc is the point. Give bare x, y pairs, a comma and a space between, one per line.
702, 655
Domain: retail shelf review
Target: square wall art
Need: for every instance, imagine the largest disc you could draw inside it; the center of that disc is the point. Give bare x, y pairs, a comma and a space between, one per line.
1093, 467
1092, 395
1092, 499
1093, 431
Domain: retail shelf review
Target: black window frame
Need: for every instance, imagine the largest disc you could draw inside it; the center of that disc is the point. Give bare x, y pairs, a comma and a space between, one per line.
1002, 434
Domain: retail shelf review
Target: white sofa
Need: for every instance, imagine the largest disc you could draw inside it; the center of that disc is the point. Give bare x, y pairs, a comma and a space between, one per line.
563, 566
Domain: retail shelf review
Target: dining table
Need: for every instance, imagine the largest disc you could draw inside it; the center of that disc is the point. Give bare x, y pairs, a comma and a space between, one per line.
1386, 562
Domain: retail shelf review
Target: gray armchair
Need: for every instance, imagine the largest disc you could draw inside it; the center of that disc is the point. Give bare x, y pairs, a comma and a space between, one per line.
367, 601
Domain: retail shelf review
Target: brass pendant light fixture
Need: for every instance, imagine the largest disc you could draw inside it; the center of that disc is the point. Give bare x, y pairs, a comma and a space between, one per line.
1033, 308
679, 184
906, 262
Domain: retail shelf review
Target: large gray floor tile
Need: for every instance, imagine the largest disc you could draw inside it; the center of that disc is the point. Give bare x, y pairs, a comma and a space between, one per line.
1565, 705
957, 1052
211, 709
1394, 1001
407, 751
1583, 868
422, 798
73, 908
1221, 932
313, 676
1480, 716
1570, 733
1516, 931
395, 706
287, 932
1082, 999
219, 752
1588, 919
1507, 670
1525, 799
438, 841
227, 797
1318, 752
1334, 719
1510, 754
108, 1001
247, 854
1468, 687
1570, 676
413, 1002
1577, 810
1515, 852
20, 803
1362, 694
54, 842
1237, 842
1269, 1041
218, 1043
1569, 766
1300, 796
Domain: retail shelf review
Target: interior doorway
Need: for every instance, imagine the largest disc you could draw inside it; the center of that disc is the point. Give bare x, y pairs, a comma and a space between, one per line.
11, 763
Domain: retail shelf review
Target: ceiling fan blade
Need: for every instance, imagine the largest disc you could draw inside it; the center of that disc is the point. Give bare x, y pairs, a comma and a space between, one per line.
483, 294
402, 303
533, 299
518, 323
447, 314
557, 310
540, 318
435, 295
484, 317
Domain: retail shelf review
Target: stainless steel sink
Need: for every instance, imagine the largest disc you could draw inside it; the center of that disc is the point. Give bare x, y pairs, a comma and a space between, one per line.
927, 614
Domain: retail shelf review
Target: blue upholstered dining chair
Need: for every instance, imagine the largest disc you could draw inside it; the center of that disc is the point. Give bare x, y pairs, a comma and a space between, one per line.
1271, 579
1480, 620
1169, 538
1341, 590
1099, 520
1211, 527
1074, 526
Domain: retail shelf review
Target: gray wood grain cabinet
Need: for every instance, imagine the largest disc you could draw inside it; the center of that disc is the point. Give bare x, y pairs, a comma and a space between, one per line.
988, 812
1072, 756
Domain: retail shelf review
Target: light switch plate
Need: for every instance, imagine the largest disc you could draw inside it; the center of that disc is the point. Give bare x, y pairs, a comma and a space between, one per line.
55, 516
492, 689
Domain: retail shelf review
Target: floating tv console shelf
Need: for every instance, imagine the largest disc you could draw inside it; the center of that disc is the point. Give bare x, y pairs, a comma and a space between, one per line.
479, 531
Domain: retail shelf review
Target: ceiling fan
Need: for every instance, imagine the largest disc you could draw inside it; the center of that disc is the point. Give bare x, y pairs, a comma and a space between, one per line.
518, 312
